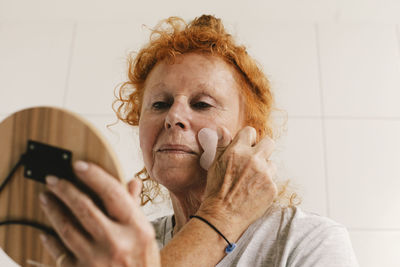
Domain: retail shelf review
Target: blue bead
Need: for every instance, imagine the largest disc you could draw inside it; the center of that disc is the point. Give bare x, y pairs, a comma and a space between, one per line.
230, 248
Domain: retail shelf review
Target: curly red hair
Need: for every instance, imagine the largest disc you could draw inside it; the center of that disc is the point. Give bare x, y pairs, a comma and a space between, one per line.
173, 37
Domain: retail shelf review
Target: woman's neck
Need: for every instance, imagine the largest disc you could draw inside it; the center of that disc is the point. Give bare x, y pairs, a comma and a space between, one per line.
184, 205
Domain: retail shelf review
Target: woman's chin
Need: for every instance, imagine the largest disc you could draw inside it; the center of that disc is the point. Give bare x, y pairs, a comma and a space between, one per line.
179, 178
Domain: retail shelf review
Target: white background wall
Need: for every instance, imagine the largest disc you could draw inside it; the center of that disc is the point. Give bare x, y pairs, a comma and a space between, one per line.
334, 66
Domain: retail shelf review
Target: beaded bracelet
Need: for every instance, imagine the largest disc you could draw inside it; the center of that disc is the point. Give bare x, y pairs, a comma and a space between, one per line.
230, 247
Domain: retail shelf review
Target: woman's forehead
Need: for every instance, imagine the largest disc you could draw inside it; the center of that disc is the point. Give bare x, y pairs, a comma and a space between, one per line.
194, 71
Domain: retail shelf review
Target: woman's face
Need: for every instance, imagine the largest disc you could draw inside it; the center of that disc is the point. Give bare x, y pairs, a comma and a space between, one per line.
195, 92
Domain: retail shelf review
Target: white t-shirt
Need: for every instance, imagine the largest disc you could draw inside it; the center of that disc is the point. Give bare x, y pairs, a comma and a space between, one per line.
283, 237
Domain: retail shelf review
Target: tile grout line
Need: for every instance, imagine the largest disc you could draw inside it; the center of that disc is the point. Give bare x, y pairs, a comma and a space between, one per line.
323, 130
361, 118
71, 54
341, 118
306, 117
397, 33
356, 229
97, 115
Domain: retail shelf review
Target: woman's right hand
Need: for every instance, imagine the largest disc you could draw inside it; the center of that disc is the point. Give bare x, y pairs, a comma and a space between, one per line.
240, 185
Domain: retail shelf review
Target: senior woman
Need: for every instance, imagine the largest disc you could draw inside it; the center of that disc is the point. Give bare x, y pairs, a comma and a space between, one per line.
189, 78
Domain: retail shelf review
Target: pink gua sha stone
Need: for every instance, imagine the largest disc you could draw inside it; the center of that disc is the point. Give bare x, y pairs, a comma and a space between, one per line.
208, 140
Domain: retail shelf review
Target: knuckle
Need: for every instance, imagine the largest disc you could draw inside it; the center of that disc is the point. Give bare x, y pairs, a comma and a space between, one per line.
65, 229
257, 162
120, 252
63, 185
235, 151
111, 193
259, 153
84, 205
147, 233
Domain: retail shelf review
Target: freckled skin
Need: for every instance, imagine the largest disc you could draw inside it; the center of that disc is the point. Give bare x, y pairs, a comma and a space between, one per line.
195, 92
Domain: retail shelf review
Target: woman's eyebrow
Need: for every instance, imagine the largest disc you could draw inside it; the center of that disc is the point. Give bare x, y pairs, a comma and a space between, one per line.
159, 91
206, 89
204, 93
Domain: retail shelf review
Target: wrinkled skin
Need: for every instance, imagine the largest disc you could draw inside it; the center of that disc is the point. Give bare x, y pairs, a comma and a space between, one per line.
195, 92
179, 100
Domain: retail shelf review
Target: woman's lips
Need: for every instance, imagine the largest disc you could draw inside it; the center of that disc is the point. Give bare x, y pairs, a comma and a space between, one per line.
175, 148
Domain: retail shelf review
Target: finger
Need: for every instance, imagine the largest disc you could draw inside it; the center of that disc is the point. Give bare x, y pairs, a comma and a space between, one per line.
67, 230
224, 140
56, 250
247, 136
265, 147
85, 210
135, 188
114, 195
53, 246
224, 137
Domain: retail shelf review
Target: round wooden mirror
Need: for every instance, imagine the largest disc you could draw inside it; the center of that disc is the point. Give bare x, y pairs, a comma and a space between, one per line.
19, 201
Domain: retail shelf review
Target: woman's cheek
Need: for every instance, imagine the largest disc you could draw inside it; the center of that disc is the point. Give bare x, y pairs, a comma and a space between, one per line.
147, 140
211, 122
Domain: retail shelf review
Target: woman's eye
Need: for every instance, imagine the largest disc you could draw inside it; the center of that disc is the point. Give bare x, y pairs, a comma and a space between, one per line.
160, 105
201, 105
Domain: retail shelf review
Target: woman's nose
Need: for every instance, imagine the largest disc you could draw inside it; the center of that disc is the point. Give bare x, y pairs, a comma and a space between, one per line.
177, 116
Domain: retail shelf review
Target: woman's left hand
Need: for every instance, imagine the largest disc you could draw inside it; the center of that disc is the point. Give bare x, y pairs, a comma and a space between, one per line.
89, 237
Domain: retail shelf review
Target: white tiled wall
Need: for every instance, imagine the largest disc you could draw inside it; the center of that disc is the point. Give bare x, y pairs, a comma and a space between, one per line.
360, 67
287, 53
363, 172
376, 248
34, 63
99, 63
303, 163
334, 66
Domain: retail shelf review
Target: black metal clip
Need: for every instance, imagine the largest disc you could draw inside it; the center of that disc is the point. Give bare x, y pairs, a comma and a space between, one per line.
41, 160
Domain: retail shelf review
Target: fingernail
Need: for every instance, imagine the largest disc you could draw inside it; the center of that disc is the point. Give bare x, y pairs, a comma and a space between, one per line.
51, 180
43, 238
43, 198
81, 166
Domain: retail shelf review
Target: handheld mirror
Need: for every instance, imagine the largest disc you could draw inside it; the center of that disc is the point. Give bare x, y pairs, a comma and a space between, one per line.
36, 142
